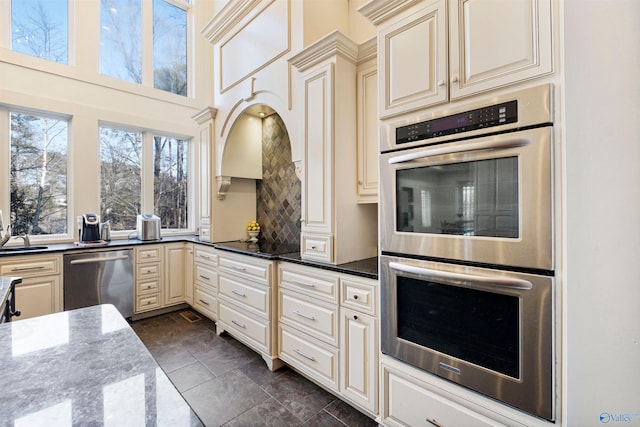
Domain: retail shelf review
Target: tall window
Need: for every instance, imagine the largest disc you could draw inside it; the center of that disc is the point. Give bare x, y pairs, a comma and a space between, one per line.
124, 189
121, 39
169, 48
121, 177
123, 44
40, 28
170, 181
38, 174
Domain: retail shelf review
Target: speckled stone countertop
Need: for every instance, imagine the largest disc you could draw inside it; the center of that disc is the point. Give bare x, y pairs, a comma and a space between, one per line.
84, 367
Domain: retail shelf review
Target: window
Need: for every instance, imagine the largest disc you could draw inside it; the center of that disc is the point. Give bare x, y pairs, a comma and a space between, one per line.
123, 45
121, 39
121, 177
38, 174
40, 28
123, 168
169, 48
170, 181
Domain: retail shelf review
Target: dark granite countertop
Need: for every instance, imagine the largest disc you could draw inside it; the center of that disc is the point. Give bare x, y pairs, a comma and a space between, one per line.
266, 250
84, 367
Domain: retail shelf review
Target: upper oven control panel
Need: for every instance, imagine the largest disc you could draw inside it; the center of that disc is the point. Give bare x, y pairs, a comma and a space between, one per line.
492, 114
495, 115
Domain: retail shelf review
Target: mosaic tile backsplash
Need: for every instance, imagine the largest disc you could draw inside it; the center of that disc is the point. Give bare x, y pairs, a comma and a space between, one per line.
278, 193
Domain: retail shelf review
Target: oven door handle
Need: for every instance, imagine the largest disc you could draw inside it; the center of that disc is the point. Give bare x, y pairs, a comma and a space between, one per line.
500, 144
502, 282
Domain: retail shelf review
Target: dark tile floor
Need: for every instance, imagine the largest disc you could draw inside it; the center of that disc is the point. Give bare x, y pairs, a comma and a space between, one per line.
228, 384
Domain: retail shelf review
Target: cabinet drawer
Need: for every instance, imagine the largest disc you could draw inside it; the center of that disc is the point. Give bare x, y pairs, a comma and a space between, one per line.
147, 302
408, 403
147, 271
318, 283
206, 276
30, 266
246, 267
152, 254
148, 287
317, 247
254, 297
359, 296
316, 359
206, 255
235, 320
205, 302
307, 315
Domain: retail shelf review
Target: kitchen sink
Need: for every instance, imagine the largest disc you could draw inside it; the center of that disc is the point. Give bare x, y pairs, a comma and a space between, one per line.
23, 248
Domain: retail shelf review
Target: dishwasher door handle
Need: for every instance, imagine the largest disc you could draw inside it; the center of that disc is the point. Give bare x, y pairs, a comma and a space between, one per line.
98, 259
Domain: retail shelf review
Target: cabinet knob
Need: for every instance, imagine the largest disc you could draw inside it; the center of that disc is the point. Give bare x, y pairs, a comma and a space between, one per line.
355, 317
355, 297
440, 83
454, 78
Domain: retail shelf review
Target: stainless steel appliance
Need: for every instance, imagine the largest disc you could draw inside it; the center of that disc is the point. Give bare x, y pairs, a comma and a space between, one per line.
488, 330
99, 277
89, 228
486, 199
467, 265
148, 227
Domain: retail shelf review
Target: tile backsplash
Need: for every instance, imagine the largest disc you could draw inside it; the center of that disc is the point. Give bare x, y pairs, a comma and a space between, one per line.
278, 193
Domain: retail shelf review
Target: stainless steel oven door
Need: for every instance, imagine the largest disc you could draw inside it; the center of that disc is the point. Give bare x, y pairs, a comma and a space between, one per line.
485, 200
487, 330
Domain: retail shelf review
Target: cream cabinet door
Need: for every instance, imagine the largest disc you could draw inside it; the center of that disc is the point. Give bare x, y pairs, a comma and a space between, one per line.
412, 61
359, 359
318, 158
367, 127
494, 43
174, 274
37, 296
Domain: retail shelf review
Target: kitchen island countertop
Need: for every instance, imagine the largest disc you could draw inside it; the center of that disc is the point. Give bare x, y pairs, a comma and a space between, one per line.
84, 367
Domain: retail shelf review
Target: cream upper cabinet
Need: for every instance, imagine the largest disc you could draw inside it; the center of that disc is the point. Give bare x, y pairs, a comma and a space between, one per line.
495, 43
335, 228
367, 122
412, 63
431, 52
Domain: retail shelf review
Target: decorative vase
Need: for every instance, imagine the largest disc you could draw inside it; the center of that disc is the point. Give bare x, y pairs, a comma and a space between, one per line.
253, 236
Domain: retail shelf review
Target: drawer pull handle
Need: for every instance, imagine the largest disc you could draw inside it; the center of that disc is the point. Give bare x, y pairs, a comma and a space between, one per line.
313, 247
204, 302
207, 257
355, 317
433, 422
240, 294
205, 277
240, 325
309, 285
238, 268
38, 267
149, 302
306, 316
355, 297
311, 358
148, 286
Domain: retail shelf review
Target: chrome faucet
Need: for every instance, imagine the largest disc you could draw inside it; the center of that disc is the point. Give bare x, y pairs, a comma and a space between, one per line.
26, 240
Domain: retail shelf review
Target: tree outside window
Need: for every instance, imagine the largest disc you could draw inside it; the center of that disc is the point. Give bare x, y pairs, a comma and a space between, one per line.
38, 174
170, 167
40, 28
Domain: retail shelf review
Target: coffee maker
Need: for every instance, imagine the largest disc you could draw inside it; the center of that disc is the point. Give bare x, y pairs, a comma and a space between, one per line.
89, 228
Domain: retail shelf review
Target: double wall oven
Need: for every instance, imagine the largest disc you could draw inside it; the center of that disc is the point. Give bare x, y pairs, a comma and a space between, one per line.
467, 265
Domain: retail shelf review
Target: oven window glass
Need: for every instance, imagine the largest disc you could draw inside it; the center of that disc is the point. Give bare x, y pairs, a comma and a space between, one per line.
478, 198
475, 326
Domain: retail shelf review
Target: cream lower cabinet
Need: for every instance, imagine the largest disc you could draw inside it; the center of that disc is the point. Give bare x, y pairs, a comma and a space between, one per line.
328, 329
408, 401
205, 281
174, 274
246, 303
159, 276
41, 289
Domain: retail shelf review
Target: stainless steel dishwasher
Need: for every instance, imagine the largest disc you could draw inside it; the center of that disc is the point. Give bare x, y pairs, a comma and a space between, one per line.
99, 277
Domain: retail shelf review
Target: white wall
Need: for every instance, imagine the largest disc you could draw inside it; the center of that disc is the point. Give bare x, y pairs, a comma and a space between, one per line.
602, 284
